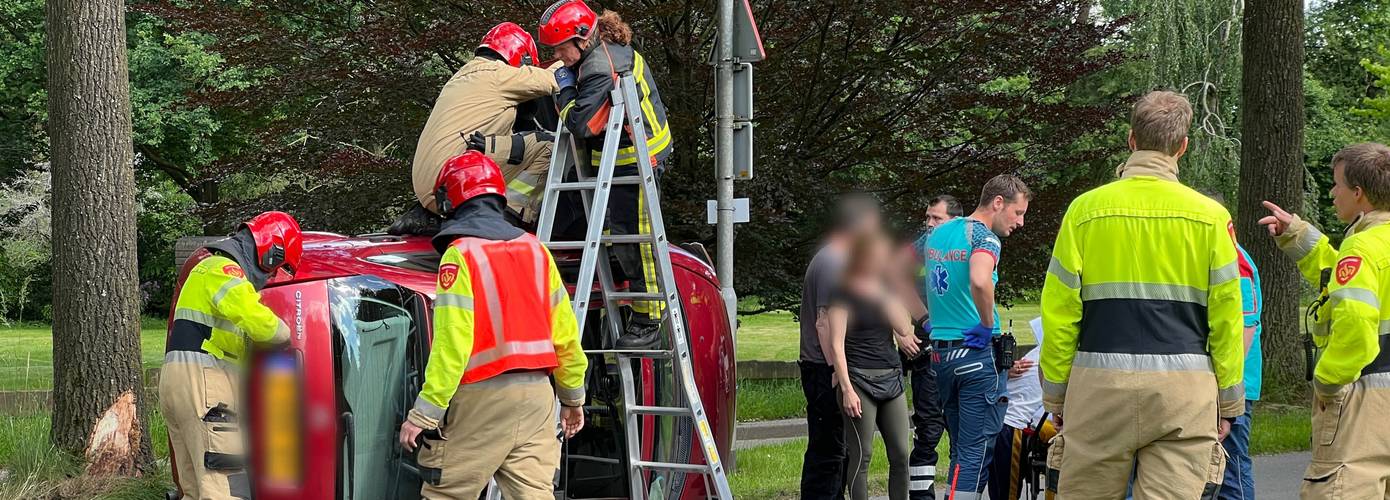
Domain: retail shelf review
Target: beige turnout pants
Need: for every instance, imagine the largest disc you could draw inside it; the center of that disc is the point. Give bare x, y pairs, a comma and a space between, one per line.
502, 428
1351, 446
525, 162
197, 395
1163, 421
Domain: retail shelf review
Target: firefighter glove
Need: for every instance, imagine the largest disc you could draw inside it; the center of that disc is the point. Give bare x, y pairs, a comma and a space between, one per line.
564, 77
477, 142
978, 336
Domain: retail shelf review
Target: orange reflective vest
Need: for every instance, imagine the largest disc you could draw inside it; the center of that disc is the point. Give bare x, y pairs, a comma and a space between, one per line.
500, 306
511, 315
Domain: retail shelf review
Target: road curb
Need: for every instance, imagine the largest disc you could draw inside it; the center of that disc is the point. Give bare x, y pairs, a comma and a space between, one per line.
771, 429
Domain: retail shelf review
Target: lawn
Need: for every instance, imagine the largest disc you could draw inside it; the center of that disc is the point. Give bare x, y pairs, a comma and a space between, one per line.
775, 336
26, 353
35, 469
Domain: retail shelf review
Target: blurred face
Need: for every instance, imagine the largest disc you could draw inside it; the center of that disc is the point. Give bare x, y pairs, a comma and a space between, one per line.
875, 261
1350, 201
1008, 216
568, 52
937, 214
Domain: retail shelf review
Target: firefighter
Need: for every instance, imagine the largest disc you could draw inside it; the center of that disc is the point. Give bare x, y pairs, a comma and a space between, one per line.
503, 327
598, 48
1144, 351
478, 109
216, 314
1351, 381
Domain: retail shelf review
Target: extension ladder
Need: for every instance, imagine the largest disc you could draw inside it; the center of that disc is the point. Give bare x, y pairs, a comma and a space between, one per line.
626, 111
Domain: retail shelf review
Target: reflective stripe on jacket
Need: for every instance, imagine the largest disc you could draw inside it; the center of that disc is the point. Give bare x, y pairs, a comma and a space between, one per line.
500, 306
217, 310
587, 115
1144, 273
1353, 324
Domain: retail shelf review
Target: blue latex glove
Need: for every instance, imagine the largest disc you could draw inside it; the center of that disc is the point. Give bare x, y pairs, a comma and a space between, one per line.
924, 329
978, 336
564, 77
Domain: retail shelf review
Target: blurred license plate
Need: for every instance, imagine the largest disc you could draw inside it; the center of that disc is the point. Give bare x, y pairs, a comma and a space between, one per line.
280, 407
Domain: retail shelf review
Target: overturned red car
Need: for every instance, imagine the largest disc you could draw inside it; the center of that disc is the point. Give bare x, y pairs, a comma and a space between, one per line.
322, 413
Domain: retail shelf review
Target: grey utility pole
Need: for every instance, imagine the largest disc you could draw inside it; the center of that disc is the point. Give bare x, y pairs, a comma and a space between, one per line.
724, 160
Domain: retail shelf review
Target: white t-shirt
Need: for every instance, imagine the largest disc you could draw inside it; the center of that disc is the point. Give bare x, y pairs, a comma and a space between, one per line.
1025, 392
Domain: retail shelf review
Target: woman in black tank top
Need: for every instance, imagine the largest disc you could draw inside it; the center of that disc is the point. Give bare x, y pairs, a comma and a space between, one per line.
867, 327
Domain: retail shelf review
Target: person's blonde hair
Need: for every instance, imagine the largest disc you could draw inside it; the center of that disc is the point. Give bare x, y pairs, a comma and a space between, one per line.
612, 29
1367, 166
1160, 121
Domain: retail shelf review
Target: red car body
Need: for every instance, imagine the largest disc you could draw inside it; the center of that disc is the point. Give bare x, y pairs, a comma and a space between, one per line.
310, 439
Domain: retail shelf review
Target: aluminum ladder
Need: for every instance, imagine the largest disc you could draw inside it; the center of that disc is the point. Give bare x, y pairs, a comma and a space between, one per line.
625, 109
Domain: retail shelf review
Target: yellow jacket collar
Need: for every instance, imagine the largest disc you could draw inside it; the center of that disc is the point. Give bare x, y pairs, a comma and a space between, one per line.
1149, 163
1368, 220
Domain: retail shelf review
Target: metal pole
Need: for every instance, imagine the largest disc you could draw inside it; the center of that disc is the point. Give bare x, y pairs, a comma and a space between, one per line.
724, 160
724, 166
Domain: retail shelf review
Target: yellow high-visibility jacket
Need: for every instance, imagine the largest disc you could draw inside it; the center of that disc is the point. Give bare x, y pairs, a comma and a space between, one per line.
1144, 272
1352, 325
217, 310
455, 307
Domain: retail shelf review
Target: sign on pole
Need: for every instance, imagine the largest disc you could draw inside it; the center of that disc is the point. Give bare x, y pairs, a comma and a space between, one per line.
740, 211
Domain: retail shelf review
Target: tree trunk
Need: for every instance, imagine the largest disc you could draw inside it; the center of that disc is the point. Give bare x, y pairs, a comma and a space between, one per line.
1271, 168
96, 304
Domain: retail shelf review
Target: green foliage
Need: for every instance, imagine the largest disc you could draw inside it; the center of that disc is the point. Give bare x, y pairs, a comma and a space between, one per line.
1344, 40
23, 99
25, 251
163, 218
1378, 107
1191, 46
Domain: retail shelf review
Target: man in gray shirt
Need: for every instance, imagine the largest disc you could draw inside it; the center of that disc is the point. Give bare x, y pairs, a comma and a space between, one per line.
822, 470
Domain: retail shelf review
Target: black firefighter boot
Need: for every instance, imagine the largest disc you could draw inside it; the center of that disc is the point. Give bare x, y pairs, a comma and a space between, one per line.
641, 333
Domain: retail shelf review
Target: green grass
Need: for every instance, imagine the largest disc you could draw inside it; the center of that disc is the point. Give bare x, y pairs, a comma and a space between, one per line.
775, 336
771, 336
37, 469
770, 399
26, 353
1280, 429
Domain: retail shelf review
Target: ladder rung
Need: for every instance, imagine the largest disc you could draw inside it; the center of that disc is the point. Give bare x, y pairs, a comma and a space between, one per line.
671, 411
607, 238
635, 296
592, 184
695, 468
628, 353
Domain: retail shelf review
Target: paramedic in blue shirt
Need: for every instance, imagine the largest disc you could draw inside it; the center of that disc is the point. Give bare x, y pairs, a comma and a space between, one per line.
961, 258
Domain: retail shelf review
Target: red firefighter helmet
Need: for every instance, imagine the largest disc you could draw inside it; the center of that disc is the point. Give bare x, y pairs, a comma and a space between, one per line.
566, 20
278, 241
513, 43
467, 176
